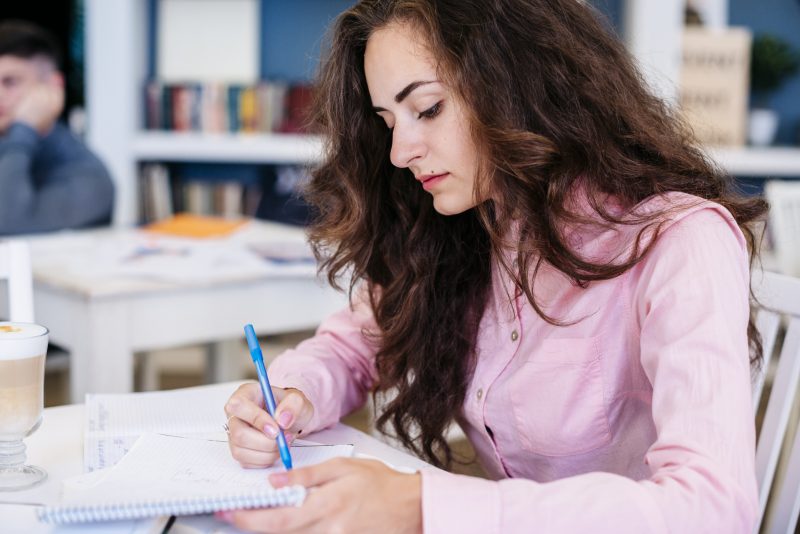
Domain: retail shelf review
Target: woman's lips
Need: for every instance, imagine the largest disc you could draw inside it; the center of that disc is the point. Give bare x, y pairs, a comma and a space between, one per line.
430, 180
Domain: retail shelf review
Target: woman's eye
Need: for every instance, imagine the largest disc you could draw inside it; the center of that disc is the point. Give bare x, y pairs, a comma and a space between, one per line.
431, 112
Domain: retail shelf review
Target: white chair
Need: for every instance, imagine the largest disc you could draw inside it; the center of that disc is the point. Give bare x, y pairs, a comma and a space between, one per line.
15, 271
784, 223
779, 300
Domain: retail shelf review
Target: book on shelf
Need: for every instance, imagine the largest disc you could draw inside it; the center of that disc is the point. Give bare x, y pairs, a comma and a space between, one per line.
228, 191
212, 107
298, 103
156, 192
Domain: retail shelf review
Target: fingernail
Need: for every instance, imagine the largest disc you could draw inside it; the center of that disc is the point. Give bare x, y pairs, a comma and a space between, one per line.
270, 430
279, 480
226, 516
285, 419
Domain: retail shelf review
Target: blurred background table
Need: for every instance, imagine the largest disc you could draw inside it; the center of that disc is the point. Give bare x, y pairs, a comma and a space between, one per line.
106, 294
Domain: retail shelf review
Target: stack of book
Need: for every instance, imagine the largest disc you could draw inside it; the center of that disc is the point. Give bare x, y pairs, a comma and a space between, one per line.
225, 191
266, 107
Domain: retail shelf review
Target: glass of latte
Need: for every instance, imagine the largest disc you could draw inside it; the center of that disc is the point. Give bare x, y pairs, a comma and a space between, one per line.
22, 352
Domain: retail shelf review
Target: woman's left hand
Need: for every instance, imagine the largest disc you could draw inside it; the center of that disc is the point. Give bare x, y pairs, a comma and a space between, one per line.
345, 495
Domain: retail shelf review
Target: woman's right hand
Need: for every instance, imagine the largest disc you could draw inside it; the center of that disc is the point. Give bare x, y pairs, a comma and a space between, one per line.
252, 432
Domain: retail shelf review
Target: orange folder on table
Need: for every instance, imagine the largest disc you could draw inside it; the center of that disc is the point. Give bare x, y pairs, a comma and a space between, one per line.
198, 226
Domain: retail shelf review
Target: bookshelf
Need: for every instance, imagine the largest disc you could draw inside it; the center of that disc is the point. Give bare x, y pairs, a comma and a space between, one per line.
118, 48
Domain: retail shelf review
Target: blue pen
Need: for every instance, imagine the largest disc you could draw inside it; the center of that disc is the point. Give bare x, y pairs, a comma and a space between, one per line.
266, 390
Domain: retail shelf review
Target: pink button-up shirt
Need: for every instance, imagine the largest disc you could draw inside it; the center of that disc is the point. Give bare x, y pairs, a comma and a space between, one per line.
637, 417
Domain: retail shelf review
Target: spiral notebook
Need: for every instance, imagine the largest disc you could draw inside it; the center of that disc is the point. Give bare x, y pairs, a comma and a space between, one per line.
171, 475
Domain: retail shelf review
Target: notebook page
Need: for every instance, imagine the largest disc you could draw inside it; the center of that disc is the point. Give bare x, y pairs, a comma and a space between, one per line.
115, 421
161, 467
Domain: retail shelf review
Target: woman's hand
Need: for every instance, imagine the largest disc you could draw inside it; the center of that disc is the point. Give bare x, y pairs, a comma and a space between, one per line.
251, 430
345, 495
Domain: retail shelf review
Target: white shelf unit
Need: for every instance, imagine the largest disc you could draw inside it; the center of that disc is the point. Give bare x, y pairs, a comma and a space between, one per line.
763, 162
116, 68
239, 148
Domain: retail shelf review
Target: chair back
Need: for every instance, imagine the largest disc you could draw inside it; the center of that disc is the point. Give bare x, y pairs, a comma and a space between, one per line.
778, 316
784, 223
15, 271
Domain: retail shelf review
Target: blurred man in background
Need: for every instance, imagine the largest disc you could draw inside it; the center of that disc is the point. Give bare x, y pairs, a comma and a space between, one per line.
49, 180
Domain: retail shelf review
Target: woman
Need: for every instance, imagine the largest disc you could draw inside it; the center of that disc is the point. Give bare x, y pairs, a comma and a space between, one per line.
539, 253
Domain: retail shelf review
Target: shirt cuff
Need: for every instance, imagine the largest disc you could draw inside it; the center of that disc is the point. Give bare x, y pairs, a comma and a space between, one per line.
458, 503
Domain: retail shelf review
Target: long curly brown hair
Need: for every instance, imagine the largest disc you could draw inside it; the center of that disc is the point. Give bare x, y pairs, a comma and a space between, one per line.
552, 98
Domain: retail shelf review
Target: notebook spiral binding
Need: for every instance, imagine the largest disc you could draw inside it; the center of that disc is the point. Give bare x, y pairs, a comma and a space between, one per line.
288, 496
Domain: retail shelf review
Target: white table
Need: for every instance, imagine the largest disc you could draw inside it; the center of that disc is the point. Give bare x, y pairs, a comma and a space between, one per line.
58, 448
103, 307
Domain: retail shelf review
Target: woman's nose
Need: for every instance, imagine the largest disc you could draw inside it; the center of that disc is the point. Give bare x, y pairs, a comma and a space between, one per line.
407, 146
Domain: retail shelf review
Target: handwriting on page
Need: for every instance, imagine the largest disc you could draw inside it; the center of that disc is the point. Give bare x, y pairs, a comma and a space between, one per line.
222, 474
115, 421
160, 467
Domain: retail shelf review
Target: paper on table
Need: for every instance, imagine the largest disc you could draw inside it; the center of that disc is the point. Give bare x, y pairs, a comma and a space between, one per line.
115, 421
167, 259
160, 467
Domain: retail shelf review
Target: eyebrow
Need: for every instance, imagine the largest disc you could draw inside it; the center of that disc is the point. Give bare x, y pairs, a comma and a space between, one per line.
399, 97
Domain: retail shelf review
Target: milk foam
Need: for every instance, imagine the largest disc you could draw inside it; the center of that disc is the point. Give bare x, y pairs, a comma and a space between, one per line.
22, 340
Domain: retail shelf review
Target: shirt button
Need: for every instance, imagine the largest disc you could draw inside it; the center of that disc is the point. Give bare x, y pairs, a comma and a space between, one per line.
479, 394
514, 335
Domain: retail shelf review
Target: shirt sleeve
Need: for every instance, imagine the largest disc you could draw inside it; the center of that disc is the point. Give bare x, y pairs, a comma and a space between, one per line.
73, 194
691, 302
335, 369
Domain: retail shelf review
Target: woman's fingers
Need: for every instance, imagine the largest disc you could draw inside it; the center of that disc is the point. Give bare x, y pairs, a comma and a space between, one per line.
250, 458
245, 436
250, 391
252, 431
310, 517
244, 408
294, 410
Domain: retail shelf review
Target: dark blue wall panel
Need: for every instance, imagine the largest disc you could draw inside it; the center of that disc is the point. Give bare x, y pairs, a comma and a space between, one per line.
613, 10
291, 34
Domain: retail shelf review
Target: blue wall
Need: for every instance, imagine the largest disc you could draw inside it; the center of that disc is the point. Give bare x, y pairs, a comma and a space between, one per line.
291, 34
782, 18
613, 10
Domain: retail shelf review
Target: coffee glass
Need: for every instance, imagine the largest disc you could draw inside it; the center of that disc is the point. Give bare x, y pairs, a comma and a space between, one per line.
23, 347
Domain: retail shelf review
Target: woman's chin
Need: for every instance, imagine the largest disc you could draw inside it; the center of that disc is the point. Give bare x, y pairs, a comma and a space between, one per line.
449, 206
